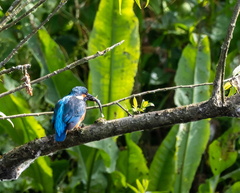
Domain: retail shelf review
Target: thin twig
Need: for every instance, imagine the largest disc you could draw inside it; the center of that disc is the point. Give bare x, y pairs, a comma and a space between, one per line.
19, 67
22, 16
218, 90
15, 10
23, 41
129, 114
123, 99
26, 115
68, 67
111, 103
8, 15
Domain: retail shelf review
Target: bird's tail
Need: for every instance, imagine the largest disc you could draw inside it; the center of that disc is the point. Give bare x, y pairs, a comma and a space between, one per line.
60, 137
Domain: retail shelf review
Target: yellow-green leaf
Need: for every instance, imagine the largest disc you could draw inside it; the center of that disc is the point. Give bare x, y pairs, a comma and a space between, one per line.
112, 76
135, 103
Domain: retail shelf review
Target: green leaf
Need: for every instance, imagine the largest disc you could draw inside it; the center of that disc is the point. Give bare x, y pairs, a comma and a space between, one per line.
41, 173
112, 76
134, 189
119, 180
192, 138
135, 103
120, 6
109, 152
132, 163
146, 104
235, 175
147, 3
91, 168
220, 159
234, 188
138, 3
222, 153
209, 185
140, 187
50, 58
95, 159
162, 168
25, 130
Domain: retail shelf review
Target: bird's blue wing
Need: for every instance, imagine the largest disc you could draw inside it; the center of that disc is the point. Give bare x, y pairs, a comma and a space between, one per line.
68, 113
58, 123
74, 112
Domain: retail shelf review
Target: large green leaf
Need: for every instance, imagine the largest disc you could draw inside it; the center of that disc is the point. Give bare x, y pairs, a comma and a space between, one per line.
112, 76
108, 150
209, 185
25, 130
91, 169
192, 138
222, 153
234, 188
162, 168
131, 162
51, 58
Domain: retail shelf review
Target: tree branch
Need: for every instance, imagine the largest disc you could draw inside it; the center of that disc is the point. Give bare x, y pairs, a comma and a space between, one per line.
120, 100
10, 13
218, 91
17, 160
68, 67
19, 67
111, 103
23, 41
40, 2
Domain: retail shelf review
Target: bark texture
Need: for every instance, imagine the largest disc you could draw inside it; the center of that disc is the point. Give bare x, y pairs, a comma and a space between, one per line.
13, 163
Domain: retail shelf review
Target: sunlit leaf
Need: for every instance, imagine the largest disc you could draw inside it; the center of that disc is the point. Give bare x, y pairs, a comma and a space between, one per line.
147, 3
25, 130
120, 6
131, 162
138, 3
135, 103
134, 189
193, 68
162, 168
50, 58
112, 76
108, 152
227, 85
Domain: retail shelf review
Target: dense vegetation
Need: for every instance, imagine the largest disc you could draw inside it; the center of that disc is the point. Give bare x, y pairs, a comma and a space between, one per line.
167, 43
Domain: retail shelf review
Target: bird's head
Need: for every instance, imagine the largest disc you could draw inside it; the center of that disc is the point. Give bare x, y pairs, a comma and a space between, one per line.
82, 93
79, 91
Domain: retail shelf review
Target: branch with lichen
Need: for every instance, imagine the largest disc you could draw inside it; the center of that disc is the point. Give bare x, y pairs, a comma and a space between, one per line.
68, 67
23, 41
13, 163
218, 90
122, 99
14, 22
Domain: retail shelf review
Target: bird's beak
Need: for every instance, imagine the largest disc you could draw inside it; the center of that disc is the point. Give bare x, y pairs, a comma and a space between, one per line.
92, 98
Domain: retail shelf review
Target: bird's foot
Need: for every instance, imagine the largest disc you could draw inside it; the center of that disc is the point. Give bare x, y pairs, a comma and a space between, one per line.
100, 120
80, 126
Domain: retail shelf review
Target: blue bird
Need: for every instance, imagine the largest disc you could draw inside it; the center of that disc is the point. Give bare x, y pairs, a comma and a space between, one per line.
70, 111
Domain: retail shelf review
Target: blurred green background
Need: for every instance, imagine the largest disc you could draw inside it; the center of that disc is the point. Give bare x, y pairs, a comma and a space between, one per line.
167, 43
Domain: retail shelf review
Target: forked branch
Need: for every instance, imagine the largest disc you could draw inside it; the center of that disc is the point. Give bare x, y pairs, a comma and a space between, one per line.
218, 90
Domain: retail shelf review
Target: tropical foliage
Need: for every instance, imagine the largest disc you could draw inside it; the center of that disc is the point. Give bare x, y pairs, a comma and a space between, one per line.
166, 43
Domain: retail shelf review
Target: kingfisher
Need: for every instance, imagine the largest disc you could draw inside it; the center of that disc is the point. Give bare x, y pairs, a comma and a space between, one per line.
70, 111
